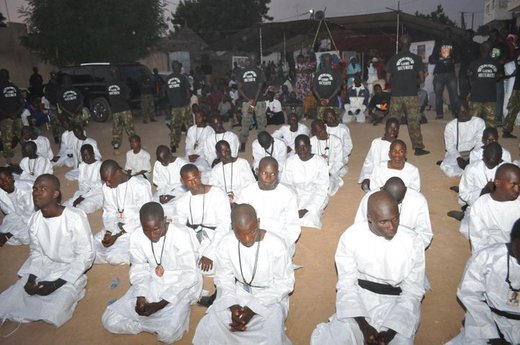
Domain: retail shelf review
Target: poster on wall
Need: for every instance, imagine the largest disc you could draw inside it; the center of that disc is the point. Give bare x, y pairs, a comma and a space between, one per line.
423, 49
183, 58
239, 60
336, 57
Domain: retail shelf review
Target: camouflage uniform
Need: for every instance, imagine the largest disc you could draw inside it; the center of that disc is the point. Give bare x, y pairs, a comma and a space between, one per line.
122, 120
410, 106
487, 109
179, 116
513, 107
11, 128
247, 119
147, 107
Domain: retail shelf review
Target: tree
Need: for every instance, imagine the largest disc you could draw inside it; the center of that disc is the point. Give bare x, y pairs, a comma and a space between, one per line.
72, 31
213, 20
437, 16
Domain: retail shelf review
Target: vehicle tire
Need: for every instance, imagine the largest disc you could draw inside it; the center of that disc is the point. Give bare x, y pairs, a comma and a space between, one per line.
100, 109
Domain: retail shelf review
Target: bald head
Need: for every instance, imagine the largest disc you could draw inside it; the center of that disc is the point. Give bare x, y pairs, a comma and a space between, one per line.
151, 211
268, 162
51, 179
507, 183
396, 188
383, 215
265, 139
162, 150
188, 168
492, 155
242, 215
109, 167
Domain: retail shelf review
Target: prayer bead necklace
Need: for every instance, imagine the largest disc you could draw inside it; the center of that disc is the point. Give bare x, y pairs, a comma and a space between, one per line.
257, 240
159, 269
121, 211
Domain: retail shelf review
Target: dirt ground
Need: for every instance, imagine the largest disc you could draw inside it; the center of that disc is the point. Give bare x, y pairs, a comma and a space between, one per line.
313, 300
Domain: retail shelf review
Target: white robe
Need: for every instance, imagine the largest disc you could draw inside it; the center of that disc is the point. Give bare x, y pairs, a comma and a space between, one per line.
377, 154
129, 197
310, 180
180, 285
76, 156
477, 154
491, 221
269, 296
232, 177
17, 208
136, 162
413, 213
210, 152
284, 133
483, 285
90, 188
342, 132
475, 177
66, 150
211, 209
459, 137
195, 144
168, 182
32, 168
409, 174
398, 262
332, 151
43, 147
60, 248
277, 150
277, 210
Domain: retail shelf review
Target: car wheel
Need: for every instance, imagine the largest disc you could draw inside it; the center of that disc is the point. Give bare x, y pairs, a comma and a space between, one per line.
100, 109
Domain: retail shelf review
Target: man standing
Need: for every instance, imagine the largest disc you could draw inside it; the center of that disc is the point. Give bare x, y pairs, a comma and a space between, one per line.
250, 85
146, 89
70, 102
404, 69
118, 95
254, 277
326, 85
11, 106
178, 92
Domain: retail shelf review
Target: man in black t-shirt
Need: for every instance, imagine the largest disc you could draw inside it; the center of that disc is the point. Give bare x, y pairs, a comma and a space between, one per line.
326, 85
70, 102
50, 92
146, 85
178, 92
11, 106
406, 71
444, 56
499, 53
379, 105
118, 95
483, 74
250, 85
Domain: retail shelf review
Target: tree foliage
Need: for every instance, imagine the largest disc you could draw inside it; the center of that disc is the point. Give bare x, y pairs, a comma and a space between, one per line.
214, 20
438, 16
73, 31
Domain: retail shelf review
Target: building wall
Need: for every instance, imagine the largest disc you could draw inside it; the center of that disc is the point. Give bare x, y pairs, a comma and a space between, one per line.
496, 10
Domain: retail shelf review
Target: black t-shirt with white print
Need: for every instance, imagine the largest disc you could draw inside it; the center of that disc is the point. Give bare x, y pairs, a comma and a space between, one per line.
326, 81
177, 87
118, 96
404, 68
483, 74
251, 80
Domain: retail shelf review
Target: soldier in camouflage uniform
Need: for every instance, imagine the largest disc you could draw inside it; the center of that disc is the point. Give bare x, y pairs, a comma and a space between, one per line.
405, 69
485, 110
178, 92
147, 103
51, 94
70, 101
122, 118
11, 106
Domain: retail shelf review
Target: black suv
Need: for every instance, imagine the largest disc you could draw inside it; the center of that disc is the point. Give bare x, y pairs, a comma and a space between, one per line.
92, 78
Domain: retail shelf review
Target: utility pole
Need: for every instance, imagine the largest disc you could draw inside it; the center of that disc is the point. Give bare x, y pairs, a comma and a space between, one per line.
7, 11
398, 11
462, 20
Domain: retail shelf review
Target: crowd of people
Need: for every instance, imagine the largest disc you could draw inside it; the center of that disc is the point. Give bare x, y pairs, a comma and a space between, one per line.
211, 215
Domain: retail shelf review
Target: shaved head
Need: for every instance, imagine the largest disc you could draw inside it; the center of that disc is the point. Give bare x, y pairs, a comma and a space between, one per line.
151, 211
108, 167
506, 170
188, 168
161, 150
53, 180
396, 188
507, 183
492, 155
268, 162
242, 214
383, 215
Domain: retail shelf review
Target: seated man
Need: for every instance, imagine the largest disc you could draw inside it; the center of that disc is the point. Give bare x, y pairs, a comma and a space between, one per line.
196, 141
378, 300
396, 166
123, 196
167, 178
308, 174
492, 215
254, 277
137, 159
206, 210
356, 102
378, 152
289, 132
489, 135
492, 302
42, 143
267, 146
80, 139
413, 208
330, 148
232, 173
67, 143
164, 280
273, 112
220, 134
276, 204
17, 205
379, 105
341, 131
461, 136
52, 280
33, 165
89, 196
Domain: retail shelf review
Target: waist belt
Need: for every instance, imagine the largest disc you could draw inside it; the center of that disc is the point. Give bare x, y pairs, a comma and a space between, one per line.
381, 289
505, 314
200, 230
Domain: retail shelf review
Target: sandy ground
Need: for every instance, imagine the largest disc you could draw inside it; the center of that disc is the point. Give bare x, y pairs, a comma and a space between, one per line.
313, 300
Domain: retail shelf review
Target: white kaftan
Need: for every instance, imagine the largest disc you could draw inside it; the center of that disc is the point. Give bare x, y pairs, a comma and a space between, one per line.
76, 156
232, 177
284, 133
195, 144
491, 221
66, 150
277, 150
210, 152
168, 182
409, 174
121, 206
475, 177
269, 292
180, 285
17, 208
460, 137
32, 168
399, 263
90, 188
483, 286
136, 162
43, 147
377, 154
342, 132
331, 150
277, 210
60, 248
310, 180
